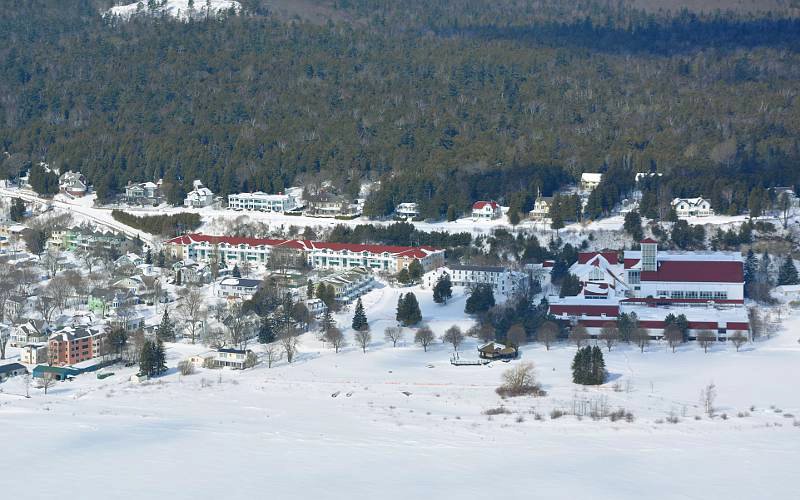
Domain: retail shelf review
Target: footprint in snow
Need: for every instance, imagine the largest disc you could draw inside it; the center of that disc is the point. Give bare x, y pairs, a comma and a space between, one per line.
335, 394
349, 394
407, 393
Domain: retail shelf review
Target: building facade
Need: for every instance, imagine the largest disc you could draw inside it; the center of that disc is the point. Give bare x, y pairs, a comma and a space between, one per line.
692, 207
486, 210
262, 202
319, 255
72, 345
503, 281
199, 197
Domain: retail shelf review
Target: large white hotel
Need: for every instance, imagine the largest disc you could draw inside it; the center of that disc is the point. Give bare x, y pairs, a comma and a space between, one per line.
319, 255
706, 287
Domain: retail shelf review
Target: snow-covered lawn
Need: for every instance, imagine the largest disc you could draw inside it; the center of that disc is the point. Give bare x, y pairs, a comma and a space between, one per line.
404, 423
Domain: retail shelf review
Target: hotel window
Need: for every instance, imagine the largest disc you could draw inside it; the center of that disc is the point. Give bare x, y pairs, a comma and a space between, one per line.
676, 294
662, 293
706, 295
634, 277
721, 295
691, 295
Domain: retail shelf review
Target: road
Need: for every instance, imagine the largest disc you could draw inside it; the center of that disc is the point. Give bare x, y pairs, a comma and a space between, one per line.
100, 216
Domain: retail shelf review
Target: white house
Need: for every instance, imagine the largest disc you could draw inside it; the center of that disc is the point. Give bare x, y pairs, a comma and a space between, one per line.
407, 210
590, 180
240, 288
143, 192
34, 354
787, 293
601, 275
33, 331
692, 207
232, 358
199, 197
486, 210
502, 280
73, 183
263, 202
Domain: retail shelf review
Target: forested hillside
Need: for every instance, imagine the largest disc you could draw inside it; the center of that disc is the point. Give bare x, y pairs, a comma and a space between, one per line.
442, 101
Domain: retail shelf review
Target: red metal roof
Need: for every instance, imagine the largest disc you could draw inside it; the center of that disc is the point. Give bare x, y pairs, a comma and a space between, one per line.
398, 251
478, 205
611, 257
587, 309
648, 240
697, 271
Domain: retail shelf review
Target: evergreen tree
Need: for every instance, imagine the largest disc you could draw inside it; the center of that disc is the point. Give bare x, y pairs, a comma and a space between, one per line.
400, 311
166, 329
161, 258
750, 267
148, 257
764, 269
443, 289
570, 286
452, 215
266, 330
146, 360
236, 273
310, 290
513, 217
159, 358
415, 270
403, 276
633, 225
480, 300
178, 277
588, 366
408, 312
17, 210
327, 321
787, 275
360, 323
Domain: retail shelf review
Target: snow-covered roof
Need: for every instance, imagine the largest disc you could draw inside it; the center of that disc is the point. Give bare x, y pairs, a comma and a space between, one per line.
591, 177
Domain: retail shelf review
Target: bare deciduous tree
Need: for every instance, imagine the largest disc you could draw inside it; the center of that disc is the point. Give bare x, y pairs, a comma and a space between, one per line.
192, 311
273, 353
363, 338
707, 397
609, 334
738, 339
454, 337
706, 339
640, 337
547, 334
5, 335
674, 336
486, 332
424, 337
288, 340
393, 334
47, 381
335, 337
59, 290
578, 335
516, 336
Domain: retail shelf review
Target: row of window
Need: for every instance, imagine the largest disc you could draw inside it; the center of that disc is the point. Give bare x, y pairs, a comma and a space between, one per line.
693, 294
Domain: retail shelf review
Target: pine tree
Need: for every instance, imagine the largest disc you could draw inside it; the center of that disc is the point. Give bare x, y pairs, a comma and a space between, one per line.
588, 366
480, 300
633, 225
310, 290
266, 330
327, 321
400, 312
166, 330
236, 273
178, 277
750, 267
598, 374
403, 276
148, 257
17, 210
159, 358
764, 269
161, 258
443, 290
408, 312
787, 275
360, 323
415, 270
146, 362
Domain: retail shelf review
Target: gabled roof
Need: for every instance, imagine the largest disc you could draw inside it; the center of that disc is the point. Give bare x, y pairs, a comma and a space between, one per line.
479, 205
12, 367
611, 256
697, 271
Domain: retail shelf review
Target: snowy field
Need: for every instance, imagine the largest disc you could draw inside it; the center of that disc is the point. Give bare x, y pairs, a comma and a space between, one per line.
176, 8
404, 423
